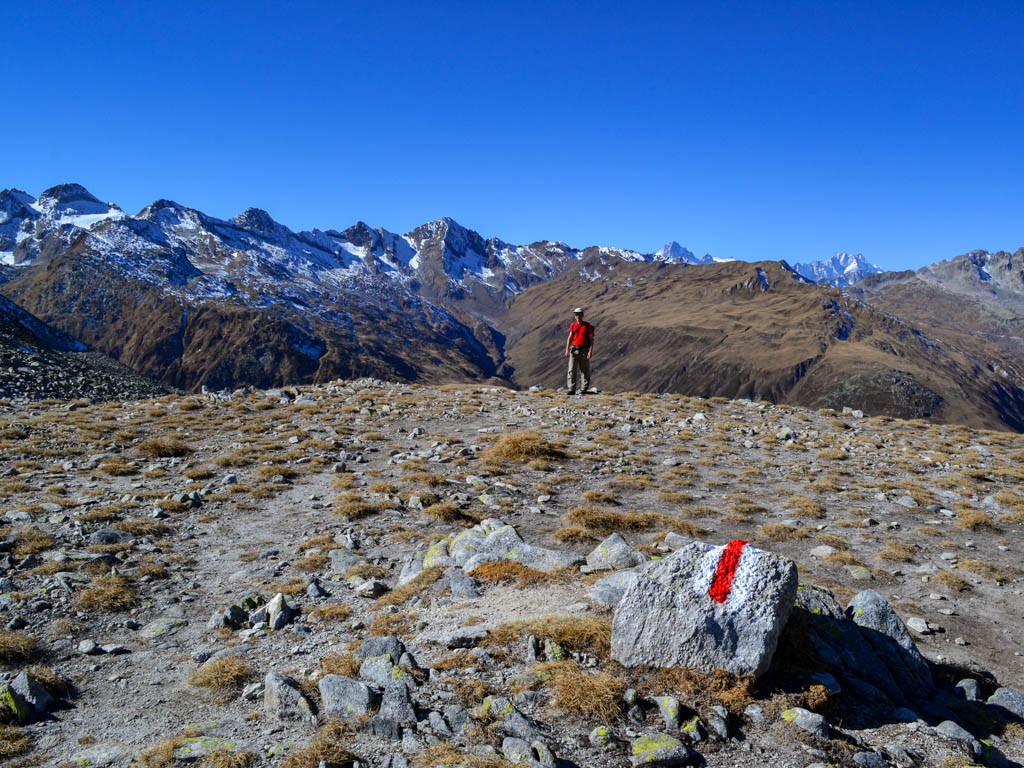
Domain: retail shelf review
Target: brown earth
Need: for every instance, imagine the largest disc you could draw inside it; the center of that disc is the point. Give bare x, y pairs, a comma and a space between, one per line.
929, 515
756, 331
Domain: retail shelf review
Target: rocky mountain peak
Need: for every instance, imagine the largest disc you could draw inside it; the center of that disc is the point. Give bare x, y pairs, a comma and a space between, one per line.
841, 270
259, 221
68, 197
673, 251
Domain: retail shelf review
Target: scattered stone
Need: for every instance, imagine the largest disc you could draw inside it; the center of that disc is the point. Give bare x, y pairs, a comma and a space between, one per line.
610, 589
956, 732
282, 699
659, 750
345, 698
1009, 699
613, 554
806, 720
969, 689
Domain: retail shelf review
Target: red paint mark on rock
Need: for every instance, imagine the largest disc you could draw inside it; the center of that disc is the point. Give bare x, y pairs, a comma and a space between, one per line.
726, 571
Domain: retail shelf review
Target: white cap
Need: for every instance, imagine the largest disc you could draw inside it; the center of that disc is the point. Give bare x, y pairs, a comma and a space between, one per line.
578, 311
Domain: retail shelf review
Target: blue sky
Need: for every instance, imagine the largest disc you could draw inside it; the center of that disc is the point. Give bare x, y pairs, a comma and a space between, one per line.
741, 129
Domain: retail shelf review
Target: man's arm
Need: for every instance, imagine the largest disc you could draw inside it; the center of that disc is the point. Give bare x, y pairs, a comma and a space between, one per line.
590, 351
567, 340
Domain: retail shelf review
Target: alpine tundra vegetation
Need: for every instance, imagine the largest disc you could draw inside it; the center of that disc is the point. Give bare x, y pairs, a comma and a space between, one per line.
389, 574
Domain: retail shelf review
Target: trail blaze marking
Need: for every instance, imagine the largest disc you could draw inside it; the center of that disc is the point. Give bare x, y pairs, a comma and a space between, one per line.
726, 571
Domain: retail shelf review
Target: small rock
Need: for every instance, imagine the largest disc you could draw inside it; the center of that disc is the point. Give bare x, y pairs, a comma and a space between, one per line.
806, 720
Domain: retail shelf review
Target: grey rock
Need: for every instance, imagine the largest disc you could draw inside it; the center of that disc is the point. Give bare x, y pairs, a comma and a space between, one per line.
89, 648
676, 541
610, 589
396, 712
466, 637
919, 625
602, 736
754, 713
32, 693
380, 646
890, 639
162, 627
458, 719
345, 698
1009, 699
102, 756
870, 760
515, 723
666, 618
439, 725
372, 589
806, 720
461, 585
377, 670
668, 707
969, 689
283, 700
343, 559
493, 541
543, 755
279, 613
516, 750
660, 751
614, 554
956, 732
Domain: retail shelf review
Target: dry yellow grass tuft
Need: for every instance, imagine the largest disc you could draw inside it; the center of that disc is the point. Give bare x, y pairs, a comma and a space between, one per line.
164, 448
951, 580
110, 592
782, 532
449, 754
142, 526
314, 562
14, 741
331, 612
116, 468
344, 664
523, 576
523, 447
591, 634
975, 519
409, 590
328, 747
985, 570
591, 694
734, 692
29, 540
606, 521
574, 534
225, 675
227, 758
899, 552
17, 647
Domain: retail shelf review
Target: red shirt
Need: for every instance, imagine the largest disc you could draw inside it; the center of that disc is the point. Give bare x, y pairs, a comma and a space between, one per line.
581, 334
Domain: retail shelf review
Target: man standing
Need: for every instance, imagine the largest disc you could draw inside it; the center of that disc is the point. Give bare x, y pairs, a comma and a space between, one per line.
579, 348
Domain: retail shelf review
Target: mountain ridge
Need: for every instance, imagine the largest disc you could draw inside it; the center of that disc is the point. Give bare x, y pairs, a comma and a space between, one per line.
193, 300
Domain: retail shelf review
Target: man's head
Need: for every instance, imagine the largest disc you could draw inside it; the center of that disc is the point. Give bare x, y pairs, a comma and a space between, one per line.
578, 312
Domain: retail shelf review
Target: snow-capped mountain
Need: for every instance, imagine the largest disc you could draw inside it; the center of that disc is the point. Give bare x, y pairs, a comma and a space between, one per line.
258, 260
674, 253
841, 270
26, 222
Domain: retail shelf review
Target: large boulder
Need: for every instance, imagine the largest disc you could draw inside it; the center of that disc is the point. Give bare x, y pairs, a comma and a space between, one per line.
866, 646
706, 608
494, 541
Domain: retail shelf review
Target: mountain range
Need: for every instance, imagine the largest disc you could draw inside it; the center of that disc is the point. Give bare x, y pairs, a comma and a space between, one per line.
191, 300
